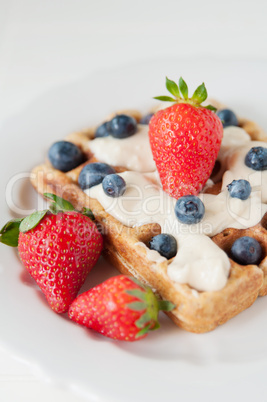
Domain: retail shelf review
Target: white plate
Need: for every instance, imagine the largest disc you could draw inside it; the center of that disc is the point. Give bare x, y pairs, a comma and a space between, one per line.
170, 363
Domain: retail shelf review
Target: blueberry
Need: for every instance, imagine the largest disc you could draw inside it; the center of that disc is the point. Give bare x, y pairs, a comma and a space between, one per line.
123, 126
103, 130
256, 158
93, 174
227, 117
65, 156
246, 250
146, 119
239, 189
165, 244
114, 185
189, 209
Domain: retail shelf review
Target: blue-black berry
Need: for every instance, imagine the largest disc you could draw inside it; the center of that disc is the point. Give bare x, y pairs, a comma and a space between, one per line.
239, 189
227, 117
246, 250
93, 174
65, 156
103, 130
189, 209
165, 244
123, 126
114, 185
256, 158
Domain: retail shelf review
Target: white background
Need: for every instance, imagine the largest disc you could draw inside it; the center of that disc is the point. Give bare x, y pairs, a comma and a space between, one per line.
46, 43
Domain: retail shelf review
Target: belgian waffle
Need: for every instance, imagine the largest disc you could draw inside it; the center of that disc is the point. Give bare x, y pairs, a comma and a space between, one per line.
126, 247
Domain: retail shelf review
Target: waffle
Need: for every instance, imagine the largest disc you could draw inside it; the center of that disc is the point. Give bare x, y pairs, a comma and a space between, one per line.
126, 248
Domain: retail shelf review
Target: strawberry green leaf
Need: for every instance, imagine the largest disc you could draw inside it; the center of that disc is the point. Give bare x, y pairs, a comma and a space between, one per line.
89, 213
172, 88
9, 233
137, 306
156, 326
165, 305
62, 205
210, 107
136, 293
54, 208
143, 331
200, 94
31, 221
165, 98
180, 93
143, 320
183, 88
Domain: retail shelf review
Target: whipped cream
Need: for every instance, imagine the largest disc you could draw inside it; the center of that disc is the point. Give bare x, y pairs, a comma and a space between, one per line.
199, 261
238, 170
133, 153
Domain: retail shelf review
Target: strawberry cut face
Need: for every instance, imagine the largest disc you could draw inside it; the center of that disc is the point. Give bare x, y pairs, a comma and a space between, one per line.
185, 141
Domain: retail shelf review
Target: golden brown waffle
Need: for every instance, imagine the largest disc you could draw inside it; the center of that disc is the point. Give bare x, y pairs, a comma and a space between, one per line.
195, 311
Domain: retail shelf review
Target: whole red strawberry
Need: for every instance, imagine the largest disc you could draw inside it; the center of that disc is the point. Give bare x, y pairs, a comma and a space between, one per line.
185, 140
58, 249
120, 308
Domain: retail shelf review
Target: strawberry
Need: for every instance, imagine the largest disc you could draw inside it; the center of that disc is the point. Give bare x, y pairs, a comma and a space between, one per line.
58, 247
185, 139
119, 308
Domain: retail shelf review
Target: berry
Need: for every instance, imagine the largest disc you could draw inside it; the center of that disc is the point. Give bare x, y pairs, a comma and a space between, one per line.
119, 308
246, 250
65, 156
146, 119
189, 209
123, 126
256, 158
185, 140
227, 117
114, 185
58, 249
103, 130
93, 174
165, 244
239, 189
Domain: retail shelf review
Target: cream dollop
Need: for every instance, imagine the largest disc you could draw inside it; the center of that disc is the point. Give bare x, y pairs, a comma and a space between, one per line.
133, 153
